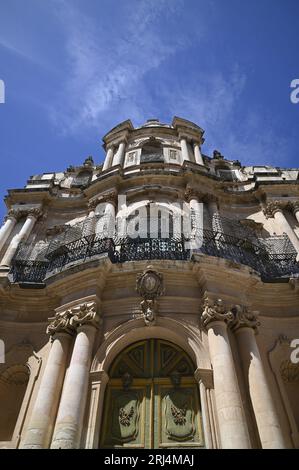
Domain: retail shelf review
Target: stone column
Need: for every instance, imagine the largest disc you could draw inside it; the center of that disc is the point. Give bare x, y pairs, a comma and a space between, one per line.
184, 148
295, 209
231, 418
21, 236
109, 158
245, 324
106, 223
205, 381
7, 227
275, 209
194, 197
119, 156
40, 428
99, 380
69, 422
197, 154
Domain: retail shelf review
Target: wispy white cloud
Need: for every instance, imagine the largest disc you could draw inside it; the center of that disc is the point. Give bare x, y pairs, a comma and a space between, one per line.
107, 67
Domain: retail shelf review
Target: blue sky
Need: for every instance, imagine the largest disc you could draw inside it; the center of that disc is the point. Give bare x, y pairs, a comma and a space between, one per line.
73, 69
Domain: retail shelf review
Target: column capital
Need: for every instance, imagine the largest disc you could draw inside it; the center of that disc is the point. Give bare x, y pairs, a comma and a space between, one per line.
110, 196
272, 207
192, 193
60, 323
244, 318
92, 204
34, 212
294, 207
11, 214
205, 376
85, 314
214, 311
210, 198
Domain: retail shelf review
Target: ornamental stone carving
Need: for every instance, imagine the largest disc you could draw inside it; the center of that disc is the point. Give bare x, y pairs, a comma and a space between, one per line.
18, 213
108, 197
192, 193
272, 207
289, 371
293, 207
60, 323
214, 310
149, 285
85, 314
243, 318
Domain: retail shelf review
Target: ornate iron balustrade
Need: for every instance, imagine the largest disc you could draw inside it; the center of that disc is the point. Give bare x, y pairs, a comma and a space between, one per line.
272, 259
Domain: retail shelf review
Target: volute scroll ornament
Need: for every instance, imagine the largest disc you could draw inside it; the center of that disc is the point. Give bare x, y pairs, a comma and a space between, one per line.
149, 285
214, 310
272, 207
85, 314
60, 323
243, 317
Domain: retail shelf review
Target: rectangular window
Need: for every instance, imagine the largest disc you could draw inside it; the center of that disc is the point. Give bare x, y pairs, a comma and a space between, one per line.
172, 154
131, 157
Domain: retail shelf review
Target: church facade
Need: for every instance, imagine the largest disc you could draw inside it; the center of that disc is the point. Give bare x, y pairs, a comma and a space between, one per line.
151, 301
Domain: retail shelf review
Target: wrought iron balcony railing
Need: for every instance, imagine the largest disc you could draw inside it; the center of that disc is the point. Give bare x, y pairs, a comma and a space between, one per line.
273, 257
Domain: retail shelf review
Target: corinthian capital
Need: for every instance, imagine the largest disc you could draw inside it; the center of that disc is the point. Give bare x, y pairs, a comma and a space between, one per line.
214, 310
60, 323
294, 207
37, 213
111, 196
243, 317
272, 207
85, 314
192, 193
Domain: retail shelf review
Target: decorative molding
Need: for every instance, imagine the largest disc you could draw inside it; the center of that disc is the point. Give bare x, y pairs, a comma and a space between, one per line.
289, 371
243, 318
149, 285
214, 310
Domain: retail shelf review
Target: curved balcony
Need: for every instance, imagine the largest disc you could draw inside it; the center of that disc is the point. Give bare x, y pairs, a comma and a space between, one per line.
273, 258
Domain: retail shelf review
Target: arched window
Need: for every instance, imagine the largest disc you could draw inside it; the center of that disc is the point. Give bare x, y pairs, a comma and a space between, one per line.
13, 384
152, 151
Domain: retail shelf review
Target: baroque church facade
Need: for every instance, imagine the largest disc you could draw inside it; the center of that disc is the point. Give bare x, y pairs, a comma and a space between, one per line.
152, 301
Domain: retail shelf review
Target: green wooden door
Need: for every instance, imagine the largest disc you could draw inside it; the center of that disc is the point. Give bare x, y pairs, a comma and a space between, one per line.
152, 399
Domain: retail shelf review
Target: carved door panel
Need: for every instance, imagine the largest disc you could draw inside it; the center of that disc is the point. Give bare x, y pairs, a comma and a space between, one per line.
178, 420
126, 414
152, 399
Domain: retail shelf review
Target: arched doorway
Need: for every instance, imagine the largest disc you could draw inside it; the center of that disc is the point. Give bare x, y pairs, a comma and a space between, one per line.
152, 399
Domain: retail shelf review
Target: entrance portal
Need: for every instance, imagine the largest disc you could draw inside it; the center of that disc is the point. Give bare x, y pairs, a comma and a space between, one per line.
152, 399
